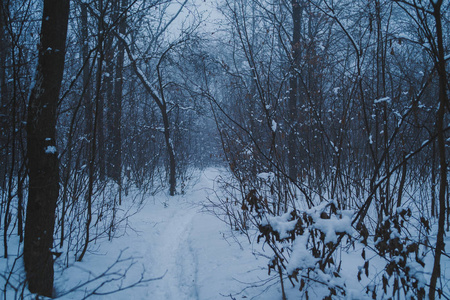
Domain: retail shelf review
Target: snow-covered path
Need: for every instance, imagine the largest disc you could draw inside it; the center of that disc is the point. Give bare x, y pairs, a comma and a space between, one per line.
173, 238
170, 252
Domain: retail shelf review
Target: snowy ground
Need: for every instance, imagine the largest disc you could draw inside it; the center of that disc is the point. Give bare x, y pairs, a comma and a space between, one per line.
176, 239
178, 251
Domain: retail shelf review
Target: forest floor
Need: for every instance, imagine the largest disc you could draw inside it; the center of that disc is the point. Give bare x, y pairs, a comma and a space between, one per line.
183, 250
173, 248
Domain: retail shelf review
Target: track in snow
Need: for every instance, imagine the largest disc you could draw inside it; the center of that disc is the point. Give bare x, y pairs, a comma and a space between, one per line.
174, 237
171, 254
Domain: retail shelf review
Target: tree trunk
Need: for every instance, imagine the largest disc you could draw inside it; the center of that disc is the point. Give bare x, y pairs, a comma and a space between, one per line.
41, 148
86, 82
109, 97
170, 152
20, 182
101, 137
3, 95
293, 92
95, 130
117, 138
115, 113
440, 60
433, 180
99, 122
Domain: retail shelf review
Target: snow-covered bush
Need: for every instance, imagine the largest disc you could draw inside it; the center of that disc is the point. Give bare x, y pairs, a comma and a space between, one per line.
304, 243
404, 256
308, 246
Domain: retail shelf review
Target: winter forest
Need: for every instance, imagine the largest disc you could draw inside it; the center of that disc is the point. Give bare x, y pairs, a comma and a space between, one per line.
224, 149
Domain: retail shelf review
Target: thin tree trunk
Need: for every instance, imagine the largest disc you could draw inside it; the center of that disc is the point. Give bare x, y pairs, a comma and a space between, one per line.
100, 116
440, 245
293, 92
402, 181
99, 122
433, 180
170, 151
7, 216
20, 180
41, 148
109, 97
86, 82
117, 138
3, 94
95, 131
4, 136
115, 107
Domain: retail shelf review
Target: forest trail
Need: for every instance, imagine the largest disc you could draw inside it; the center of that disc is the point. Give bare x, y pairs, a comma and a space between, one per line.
186, 244
170, 252
175, 238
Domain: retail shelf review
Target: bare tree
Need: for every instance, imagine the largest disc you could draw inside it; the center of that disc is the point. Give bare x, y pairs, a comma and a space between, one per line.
440, 63
41, 145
